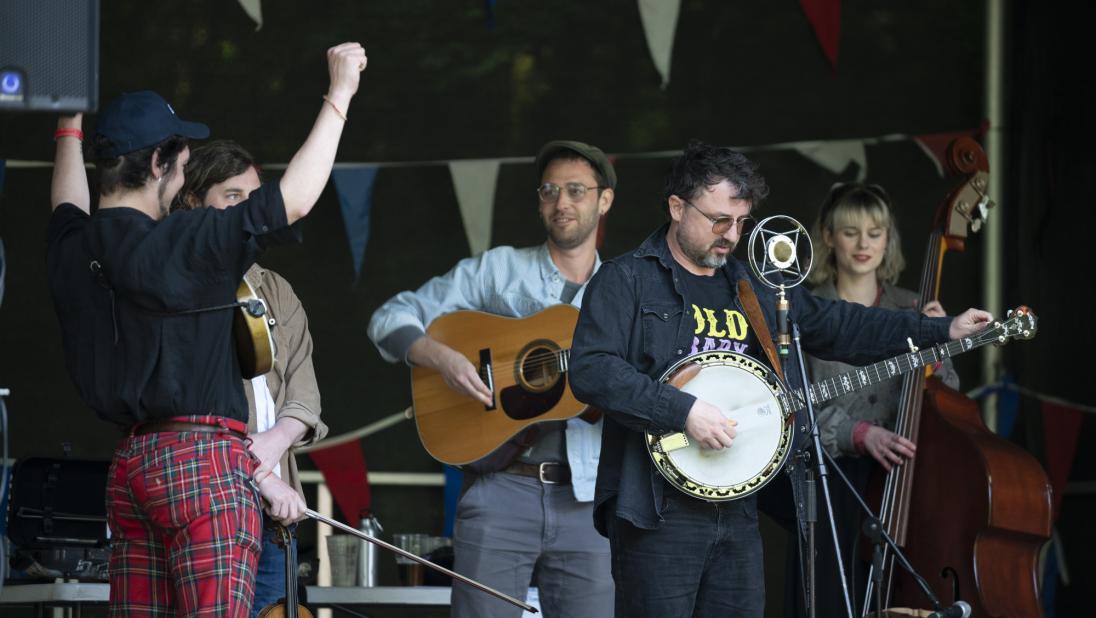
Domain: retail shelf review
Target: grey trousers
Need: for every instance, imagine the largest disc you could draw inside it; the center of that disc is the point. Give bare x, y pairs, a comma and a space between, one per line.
506, 526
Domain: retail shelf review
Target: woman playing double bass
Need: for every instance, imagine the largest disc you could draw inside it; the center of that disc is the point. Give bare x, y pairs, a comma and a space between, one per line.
859, 258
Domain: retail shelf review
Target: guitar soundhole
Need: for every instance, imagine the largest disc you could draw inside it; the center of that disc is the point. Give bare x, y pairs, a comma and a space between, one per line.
538, 366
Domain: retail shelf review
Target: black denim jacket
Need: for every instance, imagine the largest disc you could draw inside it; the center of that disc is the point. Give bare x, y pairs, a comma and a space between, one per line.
627, 336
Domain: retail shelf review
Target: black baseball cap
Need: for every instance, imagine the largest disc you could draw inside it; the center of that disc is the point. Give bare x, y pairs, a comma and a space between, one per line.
137, 120
593, 154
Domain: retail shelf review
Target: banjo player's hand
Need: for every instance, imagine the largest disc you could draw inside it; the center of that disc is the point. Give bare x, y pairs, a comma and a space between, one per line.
707, 426
887, 447
969, 322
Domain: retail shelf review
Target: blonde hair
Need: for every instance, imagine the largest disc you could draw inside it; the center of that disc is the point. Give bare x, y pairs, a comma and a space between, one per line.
847, 205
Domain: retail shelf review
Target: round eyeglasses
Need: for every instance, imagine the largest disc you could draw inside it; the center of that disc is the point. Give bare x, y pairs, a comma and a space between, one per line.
720, 225
549, 191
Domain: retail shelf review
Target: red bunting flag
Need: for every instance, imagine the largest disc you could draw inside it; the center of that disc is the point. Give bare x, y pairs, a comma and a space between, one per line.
343, 468
825, 19
1061, 427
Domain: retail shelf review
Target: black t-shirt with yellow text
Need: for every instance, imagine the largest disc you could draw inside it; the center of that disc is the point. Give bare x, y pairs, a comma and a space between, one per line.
716, 319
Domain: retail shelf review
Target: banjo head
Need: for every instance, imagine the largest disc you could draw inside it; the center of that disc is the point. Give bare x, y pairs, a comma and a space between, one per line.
746, 391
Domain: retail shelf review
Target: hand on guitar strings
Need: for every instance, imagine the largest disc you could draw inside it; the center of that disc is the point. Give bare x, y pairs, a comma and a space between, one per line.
459, 373
707, 426
283, 503
887, 447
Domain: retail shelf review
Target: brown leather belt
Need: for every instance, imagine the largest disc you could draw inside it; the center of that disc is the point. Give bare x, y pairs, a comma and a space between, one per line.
548, 472
165, 426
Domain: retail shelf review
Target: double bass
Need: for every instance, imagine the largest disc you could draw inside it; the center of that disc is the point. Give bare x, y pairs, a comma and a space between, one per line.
972, 510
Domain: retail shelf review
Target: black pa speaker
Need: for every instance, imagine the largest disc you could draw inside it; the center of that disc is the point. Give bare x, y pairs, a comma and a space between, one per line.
49, 55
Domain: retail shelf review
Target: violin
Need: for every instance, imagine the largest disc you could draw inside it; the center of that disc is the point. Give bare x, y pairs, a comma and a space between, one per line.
287, 607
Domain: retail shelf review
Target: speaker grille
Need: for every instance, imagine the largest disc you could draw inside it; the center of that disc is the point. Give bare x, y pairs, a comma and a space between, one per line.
54, 46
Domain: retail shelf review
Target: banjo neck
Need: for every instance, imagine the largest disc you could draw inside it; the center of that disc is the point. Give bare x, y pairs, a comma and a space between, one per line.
1021, 324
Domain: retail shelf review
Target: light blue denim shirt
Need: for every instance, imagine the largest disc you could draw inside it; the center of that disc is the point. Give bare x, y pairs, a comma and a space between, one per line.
504, 281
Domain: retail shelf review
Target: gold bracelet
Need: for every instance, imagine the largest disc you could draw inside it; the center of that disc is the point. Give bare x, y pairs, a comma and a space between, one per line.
335, 107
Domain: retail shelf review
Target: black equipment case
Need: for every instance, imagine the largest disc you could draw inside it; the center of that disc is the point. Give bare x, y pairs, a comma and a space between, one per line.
57, 517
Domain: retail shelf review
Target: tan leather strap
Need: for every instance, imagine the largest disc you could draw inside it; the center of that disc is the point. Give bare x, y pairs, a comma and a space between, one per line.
757, 319
182, 426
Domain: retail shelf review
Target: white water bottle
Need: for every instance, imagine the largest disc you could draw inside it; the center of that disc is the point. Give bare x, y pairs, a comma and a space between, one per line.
367, 553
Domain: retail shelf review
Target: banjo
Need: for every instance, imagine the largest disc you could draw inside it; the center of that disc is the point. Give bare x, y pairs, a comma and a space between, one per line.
751, 394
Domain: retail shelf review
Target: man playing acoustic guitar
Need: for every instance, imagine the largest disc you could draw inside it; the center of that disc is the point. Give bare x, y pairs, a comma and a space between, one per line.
529, 503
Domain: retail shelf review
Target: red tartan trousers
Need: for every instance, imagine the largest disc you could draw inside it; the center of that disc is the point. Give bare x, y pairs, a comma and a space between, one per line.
186, 529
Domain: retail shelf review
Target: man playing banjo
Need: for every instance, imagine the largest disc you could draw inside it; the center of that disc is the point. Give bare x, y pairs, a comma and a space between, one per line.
692, 553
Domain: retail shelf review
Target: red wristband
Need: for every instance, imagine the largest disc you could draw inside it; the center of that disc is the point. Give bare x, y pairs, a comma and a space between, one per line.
858, 433
68, 132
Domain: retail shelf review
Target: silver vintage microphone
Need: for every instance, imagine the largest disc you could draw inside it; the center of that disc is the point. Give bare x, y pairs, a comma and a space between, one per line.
781, 255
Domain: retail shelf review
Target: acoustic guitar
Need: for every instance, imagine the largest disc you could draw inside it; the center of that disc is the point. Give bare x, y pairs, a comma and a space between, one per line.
523, 361
251, 329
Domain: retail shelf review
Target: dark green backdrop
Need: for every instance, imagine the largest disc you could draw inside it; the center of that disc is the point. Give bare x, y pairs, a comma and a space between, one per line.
441, 85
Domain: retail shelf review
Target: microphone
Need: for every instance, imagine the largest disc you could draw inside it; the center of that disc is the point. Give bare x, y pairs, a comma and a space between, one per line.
781, 256
781, 251
958, 609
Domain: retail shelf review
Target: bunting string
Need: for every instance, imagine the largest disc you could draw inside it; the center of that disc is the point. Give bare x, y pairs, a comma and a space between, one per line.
996, 387
799, 146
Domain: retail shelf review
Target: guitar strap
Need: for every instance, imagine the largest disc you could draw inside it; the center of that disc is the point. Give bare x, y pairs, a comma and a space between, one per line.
757, 319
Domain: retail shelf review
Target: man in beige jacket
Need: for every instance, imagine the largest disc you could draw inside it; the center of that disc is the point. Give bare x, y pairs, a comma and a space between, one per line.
284, 403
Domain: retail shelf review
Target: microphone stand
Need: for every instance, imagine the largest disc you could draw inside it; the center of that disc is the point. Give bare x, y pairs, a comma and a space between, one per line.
879, 536
823, 472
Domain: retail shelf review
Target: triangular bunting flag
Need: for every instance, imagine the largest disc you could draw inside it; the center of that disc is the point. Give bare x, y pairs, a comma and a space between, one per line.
474, 183
490, 9
355, 188
344, 471
836, 155
659, 19
254, 10
825, 19
1061, 428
